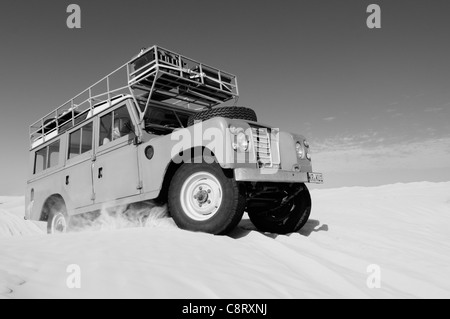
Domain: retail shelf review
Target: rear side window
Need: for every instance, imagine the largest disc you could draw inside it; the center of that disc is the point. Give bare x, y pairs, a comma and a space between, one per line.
46, 157
40, 160
53, 155
80, 141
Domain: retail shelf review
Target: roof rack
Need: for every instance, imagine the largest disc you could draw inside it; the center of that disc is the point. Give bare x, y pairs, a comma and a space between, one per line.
154, 74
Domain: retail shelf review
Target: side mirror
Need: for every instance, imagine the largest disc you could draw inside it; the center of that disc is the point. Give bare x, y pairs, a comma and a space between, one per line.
137, 140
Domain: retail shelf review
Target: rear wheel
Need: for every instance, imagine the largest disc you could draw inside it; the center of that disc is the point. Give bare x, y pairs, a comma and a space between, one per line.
202, 198
289, 214
58, 223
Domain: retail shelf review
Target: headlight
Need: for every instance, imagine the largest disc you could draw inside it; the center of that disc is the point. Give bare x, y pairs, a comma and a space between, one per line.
242, 142
235, 130
307, 149
300, 151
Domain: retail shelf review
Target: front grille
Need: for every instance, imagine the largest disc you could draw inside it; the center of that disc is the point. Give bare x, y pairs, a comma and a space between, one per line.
262, 146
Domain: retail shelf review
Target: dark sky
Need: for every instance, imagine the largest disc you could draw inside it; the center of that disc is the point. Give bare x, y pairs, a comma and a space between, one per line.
374, 101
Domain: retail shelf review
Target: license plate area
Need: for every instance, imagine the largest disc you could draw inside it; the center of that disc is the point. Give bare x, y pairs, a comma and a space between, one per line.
316, 178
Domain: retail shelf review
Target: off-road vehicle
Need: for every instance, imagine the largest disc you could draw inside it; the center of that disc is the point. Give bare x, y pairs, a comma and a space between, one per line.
157, 129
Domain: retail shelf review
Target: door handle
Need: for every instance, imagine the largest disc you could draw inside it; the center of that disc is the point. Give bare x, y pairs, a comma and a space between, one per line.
100, 172
67, 180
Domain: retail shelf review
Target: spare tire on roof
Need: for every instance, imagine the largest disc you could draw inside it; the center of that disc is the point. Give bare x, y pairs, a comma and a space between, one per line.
231, 112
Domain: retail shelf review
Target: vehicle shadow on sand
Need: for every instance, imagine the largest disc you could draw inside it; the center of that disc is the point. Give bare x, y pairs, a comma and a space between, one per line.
245, 227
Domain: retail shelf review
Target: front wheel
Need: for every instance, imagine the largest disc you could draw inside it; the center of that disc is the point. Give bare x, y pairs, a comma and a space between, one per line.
203, 198
289, 216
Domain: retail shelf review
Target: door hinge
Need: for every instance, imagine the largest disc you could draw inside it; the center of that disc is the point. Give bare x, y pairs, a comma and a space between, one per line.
93, 196
140, 185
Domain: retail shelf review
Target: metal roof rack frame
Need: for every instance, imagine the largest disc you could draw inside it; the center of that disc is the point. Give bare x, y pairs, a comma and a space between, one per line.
154, 74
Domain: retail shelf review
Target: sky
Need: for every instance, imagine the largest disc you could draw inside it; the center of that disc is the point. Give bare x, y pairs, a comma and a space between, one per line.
374, 103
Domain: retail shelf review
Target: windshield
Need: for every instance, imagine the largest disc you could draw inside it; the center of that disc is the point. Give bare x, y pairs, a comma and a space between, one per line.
159, 120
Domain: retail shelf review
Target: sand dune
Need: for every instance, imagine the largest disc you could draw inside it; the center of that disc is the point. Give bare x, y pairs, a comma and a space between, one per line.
402, 230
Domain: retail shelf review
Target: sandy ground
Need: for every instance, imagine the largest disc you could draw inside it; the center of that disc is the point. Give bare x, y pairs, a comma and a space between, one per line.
395, 237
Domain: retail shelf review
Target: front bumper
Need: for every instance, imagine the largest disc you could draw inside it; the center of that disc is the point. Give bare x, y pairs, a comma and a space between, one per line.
276, 176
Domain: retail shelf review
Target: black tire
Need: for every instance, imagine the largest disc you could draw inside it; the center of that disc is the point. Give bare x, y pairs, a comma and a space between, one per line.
285, 219
193, 199
231, 112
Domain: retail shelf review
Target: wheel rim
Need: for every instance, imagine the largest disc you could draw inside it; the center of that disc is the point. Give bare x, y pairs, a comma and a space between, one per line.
201, 196
59, 224
283, 212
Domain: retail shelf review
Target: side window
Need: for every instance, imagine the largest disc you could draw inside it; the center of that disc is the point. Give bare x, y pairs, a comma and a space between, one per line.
40, 159
80, 141
74, 143
53, 155
86, 140
106, 129
115, 125
46, 158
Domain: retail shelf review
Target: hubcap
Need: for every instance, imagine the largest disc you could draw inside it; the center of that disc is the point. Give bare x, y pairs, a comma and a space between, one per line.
201, 196
59, 224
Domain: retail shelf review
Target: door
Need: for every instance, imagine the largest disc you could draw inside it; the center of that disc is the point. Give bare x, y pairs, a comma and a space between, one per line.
116, 168
78, 179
